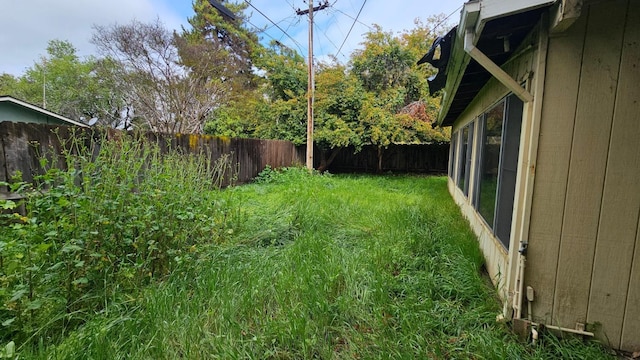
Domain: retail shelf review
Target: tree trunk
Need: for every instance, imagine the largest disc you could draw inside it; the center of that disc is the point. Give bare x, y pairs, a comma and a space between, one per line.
380, 153
325, 161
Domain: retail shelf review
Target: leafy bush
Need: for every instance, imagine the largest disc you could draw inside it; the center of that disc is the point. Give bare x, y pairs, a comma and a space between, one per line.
340, 267
285, 175
119, 217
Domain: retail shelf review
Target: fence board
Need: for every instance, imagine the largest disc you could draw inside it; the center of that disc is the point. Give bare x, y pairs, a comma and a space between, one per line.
22, 144
418, 158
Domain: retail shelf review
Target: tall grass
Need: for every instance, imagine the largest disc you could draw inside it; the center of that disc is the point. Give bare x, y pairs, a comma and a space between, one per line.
349, 267
98, 227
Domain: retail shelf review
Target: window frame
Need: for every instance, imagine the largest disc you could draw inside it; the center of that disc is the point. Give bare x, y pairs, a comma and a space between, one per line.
512, 117
452, 155
462, 159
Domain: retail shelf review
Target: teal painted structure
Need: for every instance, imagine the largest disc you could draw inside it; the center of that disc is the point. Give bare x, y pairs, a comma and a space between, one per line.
14, 110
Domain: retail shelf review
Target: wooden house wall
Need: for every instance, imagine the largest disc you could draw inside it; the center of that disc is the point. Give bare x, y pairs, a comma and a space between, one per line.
521, 67
583, 234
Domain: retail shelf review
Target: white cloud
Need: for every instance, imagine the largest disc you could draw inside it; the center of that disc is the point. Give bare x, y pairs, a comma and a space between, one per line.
27, 26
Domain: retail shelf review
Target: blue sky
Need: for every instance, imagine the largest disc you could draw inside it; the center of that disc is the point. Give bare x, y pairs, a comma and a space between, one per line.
27, 26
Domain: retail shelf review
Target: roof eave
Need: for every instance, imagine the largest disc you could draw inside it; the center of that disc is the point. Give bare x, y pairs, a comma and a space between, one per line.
459, 58
474, 16
41, 110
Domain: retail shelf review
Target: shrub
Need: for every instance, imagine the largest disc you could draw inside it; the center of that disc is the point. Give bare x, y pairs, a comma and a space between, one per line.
121, 216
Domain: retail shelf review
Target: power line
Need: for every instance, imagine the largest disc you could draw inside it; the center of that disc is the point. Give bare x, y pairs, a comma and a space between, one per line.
264, 31
276, 25
354, 19
352, 25
259, 30
324, 31
283, 20
289, 27
447, 18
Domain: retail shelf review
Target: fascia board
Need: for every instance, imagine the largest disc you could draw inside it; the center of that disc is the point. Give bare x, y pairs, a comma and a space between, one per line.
469, 17
492, 9
459, 58
458, 63
475, 15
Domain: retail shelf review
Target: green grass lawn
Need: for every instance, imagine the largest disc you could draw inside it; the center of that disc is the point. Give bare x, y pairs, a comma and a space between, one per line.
326, 267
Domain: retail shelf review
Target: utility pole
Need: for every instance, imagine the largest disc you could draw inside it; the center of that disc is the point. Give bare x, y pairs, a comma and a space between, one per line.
310, 81
44, 83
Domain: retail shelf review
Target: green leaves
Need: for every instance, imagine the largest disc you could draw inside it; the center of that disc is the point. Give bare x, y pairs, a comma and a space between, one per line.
79, 246
9, 350
7, 204
65, 83
362, 102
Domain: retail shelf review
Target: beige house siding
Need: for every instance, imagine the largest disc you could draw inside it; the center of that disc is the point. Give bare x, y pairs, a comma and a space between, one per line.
577, 198
583, 232
521, 67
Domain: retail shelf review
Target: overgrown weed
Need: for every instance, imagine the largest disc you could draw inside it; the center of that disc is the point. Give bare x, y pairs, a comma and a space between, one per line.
331, 267
99, 227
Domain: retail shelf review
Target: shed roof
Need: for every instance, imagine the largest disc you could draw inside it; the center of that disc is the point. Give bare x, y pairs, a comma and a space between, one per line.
500, 27
26, 105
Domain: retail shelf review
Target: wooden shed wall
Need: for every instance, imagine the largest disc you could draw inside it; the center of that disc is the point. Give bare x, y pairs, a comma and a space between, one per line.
16, 113
583, 237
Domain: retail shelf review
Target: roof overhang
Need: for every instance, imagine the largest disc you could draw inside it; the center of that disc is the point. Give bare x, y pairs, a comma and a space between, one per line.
498, 27
10, 99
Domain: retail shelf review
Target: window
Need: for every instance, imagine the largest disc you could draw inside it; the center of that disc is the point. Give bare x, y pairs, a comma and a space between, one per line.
508, 168
500, 143
478, 160
452, 154
488, 185
468, 152
462, 162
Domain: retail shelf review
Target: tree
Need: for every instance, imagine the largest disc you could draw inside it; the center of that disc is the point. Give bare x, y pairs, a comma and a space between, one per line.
276, 108
338, 104
385, 63
380, 98
8, 83
229, 46
144, 64
394, 85
285, 74
63, 83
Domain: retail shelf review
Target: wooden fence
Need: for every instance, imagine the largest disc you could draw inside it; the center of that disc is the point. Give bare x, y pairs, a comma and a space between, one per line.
23, 144
418, 158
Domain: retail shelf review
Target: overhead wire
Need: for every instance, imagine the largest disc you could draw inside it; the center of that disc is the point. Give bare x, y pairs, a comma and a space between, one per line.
290, 24
352, 18
276, 25
352, 25
259, 30
339, 52
279, 22
447, 17
324, 31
